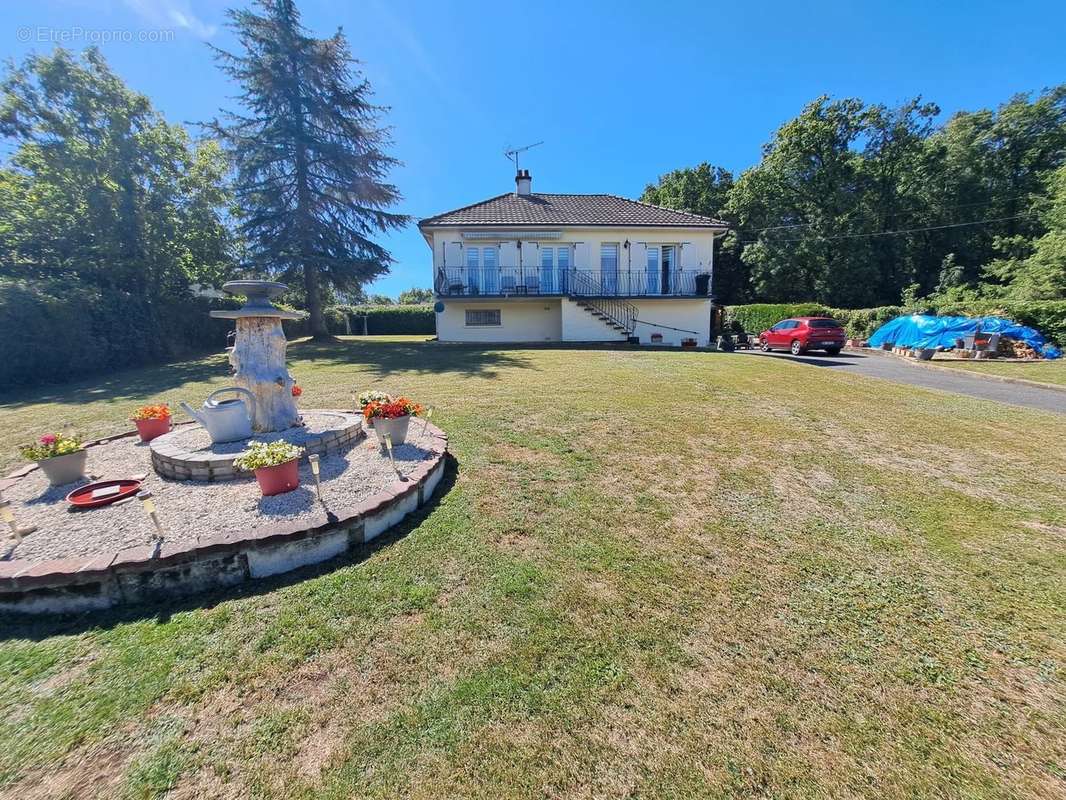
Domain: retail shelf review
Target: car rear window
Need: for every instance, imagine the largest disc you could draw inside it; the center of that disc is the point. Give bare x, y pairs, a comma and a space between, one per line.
823, 323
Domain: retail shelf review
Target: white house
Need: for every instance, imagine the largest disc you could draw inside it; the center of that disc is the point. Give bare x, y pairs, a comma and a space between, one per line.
531, 267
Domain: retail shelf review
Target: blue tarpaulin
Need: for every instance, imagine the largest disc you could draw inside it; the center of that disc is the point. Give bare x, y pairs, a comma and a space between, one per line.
923, 331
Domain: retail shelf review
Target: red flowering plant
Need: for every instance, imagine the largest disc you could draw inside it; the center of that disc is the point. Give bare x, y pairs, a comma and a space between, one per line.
296, 390
391, 408
161, 411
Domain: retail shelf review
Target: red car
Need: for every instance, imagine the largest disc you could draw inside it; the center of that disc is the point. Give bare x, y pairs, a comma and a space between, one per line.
800, 334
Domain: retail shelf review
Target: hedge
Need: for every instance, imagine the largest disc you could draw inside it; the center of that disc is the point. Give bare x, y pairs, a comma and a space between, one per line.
382, 320
1047, 316
55, 331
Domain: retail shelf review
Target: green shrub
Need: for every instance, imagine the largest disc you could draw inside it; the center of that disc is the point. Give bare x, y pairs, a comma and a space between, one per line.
381, 320
55, 331
1047, 316
757, 317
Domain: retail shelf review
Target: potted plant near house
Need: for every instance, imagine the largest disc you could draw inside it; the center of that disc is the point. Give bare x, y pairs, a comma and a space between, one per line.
60, 457
152, 421
391, 416
276, 466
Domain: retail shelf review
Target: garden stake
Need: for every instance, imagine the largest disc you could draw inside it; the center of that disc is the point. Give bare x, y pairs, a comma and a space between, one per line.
388, 446
425, 421
148, 504
9, 517
313, 458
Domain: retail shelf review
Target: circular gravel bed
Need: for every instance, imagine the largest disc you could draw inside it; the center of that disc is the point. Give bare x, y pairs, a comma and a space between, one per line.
191, 510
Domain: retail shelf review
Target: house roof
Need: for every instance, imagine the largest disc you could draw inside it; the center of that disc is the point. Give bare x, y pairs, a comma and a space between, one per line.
590, 210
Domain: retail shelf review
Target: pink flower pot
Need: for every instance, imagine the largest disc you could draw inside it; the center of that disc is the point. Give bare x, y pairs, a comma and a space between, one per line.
278, 479
151, 428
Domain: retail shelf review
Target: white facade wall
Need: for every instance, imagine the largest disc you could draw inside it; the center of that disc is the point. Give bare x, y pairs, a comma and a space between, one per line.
520, 321
660, 316
558, 319
580, 326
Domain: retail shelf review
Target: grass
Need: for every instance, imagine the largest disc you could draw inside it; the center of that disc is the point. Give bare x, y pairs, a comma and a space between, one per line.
1041, 371
654, 574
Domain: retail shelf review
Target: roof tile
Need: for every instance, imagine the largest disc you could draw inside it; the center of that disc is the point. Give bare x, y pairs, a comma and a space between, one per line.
567, 209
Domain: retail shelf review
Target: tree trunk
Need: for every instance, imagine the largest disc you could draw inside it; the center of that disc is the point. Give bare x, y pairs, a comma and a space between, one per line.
258, 357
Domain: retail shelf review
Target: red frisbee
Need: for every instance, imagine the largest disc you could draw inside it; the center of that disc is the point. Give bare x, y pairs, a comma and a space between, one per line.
93, 495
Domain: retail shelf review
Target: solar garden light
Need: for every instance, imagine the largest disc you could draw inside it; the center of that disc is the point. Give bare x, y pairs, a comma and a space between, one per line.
8, 516
388, 446
148, 504
425, 421
313, 459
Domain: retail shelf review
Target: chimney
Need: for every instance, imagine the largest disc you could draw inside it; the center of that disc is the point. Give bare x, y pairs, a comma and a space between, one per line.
523, 184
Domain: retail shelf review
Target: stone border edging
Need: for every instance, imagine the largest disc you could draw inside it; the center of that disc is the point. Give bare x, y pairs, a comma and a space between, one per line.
141, 574
926, 365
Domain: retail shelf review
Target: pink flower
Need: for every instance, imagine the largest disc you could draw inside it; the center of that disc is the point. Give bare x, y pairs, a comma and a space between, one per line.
48, 439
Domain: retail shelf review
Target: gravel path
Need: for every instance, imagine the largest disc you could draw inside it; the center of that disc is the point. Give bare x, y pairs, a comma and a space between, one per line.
191, 510
898, 370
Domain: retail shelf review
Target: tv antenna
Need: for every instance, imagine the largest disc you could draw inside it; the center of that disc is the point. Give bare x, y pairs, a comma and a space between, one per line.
512, 154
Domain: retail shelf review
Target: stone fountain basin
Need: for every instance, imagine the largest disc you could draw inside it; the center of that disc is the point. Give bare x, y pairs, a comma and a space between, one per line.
187, 452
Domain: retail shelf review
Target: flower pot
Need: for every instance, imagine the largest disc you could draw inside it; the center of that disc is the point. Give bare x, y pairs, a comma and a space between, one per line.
153, 427
925, 353
64, 469
278, 479
395, 427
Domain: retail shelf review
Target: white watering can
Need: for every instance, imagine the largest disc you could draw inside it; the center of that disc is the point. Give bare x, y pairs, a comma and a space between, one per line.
225, 420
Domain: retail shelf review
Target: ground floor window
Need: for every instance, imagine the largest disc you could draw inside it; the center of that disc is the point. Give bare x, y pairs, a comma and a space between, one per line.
481, 317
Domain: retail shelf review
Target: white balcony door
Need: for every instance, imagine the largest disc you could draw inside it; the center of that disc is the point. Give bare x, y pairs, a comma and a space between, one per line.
482, 275
609, 267
653, 271
554, 269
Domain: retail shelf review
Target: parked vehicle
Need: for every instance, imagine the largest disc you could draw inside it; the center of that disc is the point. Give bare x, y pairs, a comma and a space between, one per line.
800, 334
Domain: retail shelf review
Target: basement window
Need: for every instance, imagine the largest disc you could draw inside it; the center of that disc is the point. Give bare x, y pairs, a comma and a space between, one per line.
482, 317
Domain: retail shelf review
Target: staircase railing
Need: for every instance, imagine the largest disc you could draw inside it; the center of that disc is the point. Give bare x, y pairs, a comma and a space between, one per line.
585, 288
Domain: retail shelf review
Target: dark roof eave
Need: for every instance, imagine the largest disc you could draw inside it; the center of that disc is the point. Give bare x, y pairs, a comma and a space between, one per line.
540, 225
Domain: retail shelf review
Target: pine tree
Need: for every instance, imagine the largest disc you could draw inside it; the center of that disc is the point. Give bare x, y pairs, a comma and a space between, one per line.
311, 171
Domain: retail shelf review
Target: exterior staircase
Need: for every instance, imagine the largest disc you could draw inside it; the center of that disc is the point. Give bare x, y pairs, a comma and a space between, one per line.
615, 313
593, 307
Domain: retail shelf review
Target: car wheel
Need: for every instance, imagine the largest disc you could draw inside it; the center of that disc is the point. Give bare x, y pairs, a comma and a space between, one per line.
797, 348
833, 351
765, 346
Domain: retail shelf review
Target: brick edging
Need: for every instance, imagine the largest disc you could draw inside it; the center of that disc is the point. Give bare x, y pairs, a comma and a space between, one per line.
139, 574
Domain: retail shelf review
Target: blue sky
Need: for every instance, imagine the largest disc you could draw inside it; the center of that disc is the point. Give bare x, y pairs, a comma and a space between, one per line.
618, 91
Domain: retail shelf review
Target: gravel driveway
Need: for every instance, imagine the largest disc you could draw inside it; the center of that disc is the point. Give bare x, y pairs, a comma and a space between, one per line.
892, 368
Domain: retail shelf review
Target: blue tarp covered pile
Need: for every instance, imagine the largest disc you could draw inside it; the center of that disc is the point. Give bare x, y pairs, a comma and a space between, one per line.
922, 331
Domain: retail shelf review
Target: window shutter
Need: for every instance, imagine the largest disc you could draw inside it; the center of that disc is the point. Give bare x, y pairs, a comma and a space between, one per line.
453, 254
530, 254
638, 256
508, 254
581, 255
689, 256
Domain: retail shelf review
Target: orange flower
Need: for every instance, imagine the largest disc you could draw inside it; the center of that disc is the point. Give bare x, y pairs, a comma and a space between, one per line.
161, 411
296, 390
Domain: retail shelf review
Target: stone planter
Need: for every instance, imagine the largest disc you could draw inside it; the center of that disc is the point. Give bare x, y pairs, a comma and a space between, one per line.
278, 479
396, 428
149, 429
925, 354
65, 469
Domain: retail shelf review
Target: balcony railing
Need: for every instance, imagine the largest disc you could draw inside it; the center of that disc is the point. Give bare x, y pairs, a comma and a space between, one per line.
551, 282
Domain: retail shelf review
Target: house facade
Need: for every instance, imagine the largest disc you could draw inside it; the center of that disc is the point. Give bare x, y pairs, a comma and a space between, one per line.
529, 267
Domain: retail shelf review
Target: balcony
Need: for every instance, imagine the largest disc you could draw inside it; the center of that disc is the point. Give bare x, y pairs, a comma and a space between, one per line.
550, 282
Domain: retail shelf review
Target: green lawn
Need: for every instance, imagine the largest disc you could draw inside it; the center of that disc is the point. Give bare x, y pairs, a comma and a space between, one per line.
653, 574
1040, 371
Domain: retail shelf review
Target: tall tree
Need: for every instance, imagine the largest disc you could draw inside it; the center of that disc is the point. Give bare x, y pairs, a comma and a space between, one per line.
101, 188
308, 149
